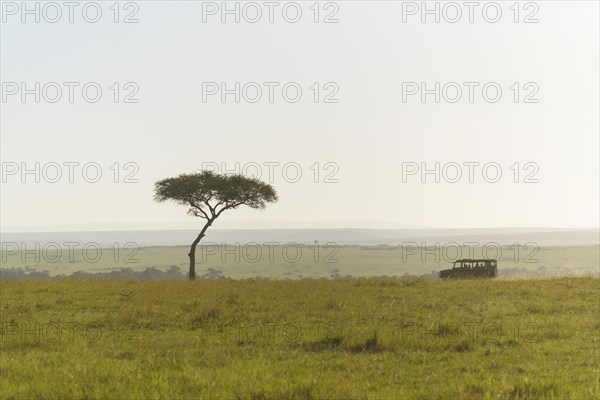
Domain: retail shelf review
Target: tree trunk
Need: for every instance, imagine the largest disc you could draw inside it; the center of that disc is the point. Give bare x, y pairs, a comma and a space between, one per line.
192, 253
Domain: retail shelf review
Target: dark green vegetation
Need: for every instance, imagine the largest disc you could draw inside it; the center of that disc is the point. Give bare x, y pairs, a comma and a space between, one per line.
365, 338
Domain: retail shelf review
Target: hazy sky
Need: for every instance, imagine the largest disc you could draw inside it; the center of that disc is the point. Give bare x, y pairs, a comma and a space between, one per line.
366, 61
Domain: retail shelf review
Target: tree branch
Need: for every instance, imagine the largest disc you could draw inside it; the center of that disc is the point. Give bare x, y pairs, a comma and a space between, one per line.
204, 215
229, 206
212, 210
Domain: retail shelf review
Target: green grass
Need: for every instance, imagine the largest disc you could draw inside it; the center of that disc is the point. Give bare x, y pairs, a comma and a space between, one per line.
261, 339
357, 261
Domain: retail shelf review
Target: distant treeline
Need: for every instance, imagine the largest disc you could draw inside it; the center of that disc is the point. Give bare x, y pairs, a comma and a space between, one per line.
174, 273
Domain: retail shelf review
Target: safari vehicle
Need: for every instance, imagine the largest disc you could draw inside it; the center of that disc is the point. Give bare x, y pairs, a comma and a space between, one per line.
467, 269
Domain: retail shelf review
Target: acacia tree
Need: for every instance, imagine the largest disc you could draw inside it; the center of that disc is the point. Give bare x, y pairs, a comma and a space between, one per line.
208, 194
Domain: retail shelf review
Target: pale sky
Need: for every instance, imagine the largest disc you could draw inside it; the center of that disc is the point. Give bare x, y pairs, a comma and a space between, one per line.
361, 141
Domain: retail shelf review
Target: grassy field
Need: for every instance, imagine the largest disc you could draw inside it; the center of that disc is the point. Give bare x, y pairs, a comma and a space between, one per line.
321, 261
304, 339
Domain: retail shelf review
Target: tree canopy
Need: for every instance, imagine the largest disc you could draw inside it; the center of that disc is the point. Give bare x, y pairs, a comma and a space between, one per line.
207, 194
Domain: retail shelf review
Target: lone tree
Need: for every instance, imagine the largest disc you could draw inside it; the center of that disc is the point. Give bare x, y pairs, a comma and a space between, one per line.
208, 194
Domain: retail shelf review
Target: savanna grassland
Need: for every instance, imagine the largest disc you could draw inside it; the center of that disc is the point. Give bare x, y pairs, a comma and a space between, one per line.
306, 261
280, 339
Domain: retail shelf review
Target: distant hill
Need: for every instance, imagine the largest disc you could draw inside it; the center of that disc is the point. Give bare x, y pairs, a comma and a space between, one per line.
541, 236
